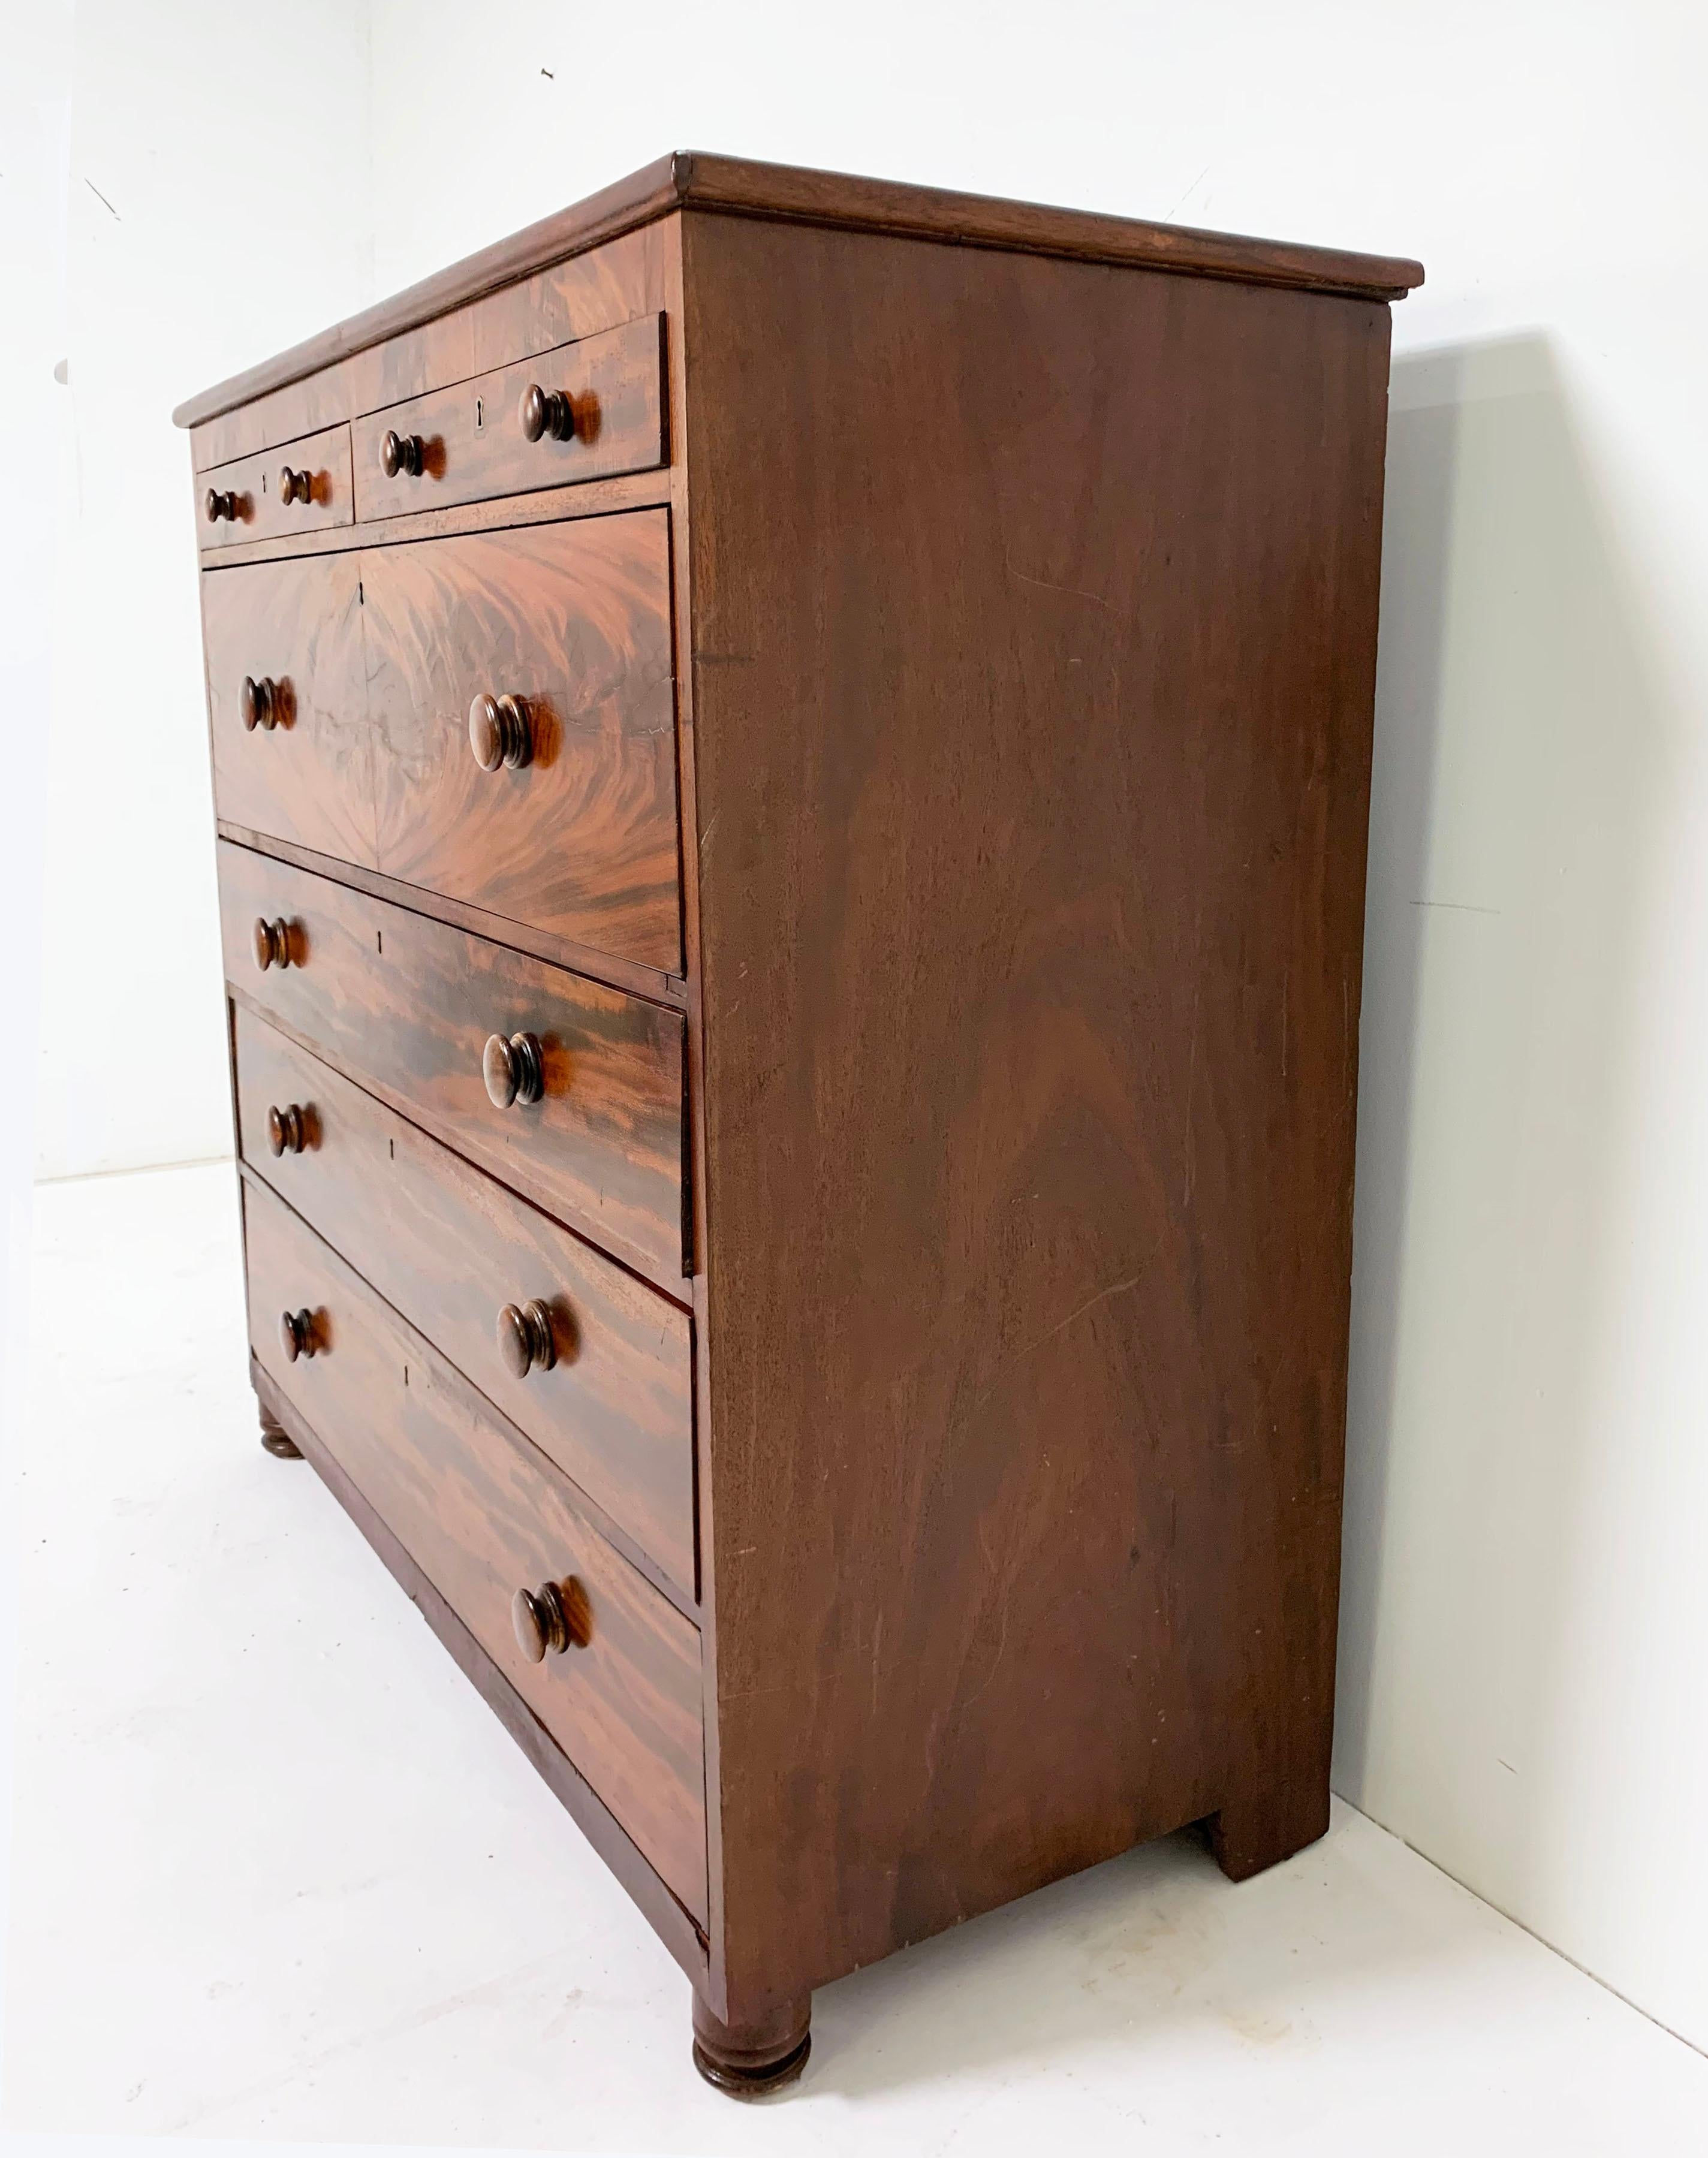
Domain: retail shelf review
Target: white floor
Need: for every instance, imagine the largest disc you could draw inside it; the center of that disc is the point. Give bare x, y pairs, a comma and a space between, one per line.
277, 1872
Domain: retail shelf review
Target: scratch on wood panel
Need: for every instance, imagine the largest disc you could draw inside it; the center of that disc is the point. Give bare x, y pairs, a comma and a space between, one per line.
1031, 1349
1191, 1074
1068, 591
1285, 984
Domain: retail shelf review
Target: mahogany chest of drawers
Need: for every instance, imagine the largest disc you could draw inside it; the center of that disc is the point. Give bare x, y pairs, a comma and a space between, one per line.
791, 758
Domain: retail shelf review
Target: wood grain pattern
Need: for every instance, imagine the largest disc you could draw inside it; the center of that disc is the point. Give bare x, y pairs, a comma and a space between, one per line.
482, 1517
405, 1006
262, 512
684, 1937
447, 1245
581, 842
1049, 744
592, 498
474, 447
749, 187
556, 951
310, 779
567, 299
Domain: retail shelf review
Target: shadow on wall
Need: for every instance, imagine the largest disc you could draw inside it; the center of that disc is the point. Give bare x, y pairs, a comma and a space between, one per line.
1520, 777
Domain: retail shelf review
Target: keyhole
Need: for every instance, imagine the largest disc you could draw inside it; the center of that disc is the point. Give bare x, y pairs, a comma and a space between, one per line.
479, 414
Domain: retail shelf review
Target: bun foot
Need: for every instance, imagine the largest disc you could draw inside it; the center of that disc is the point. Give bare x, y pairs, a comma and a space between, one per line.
277, 1441
751, 2060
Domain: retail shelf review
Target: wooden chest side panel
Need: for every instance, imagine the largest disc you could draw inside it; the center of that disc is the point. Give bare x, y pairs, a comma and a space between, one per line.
1032, 708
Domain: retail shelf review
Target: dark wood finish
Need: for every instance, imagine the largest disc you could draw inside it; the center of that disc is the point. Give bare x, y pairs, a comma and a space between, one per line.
592, 498
751, 2059
1052, 1131
276, 1439
475, 444
1012, 622
580, 841
307, 775
750, 187
405, 1005
573, 297
340, 694
449, 1249
680, 1934
483, 1517
556, 951
248, 499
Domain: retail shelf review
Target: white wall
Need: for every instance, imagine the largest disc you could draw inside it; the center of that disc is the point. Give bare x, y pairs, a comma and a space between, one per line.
219, 208
1526, 1640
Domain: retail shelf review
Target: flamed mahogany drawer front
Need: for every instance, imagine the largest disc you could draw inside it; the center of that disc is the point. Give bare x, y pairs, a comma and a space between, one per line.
483, 1517
443, 1025
491, 717
287, 703
554, 640
303, 487
595, 1367
584, 410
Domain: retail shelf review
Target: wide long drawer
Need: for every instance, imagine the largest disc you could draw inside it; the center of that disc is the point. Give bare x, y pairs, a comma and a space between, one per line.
607, 1392
345, 693
410, 1008
483, 1517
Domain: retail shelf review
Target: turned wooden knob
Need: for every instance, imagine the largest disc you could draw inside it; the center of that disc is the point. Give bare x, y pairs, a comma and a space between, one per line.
288, 1128
295, 486
260, 703
513, 1069
499, 733
554, 1616
272, 943
547, 412
525, 1337
400, 453
296, 1334
218, 504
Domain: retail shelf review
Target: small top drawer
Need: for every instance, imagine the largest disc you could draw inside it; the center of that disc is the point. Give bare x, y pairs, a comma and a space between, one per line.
305, 487
585, 410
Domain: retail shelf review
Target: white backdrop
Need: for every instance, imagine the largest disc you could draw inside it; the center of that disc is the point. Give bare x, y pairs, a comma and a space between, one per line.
1525, 1637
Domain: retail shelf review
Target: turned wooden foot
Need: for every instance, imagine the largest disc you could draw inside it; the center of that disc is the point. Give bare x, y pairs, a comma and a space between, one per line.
1251, 1833
747, 2059
276, 1438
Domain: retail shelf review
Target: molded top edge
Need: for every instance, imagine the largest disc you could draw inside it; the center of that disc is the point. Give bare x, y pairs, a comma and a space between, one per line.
692, 179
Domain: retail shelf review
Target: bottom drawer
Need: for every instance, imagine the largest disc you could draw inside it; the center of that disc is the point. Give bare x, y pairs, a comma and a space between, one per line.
482, 1518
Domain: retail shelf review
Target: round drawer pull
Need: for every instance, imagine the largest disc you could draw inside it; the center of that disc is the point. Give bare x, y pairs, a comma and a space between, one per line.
272, 943
514, 1071
218, 504
525, 1338
295, 486
260, 703
547, 412
554, 1616
296, 1334
499, 732
401, 453
288, 1128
